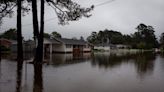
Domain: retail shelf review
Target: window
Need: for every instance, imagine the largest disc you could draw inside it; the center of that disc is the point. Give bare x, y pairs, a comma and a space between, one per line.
68, 46
86, 46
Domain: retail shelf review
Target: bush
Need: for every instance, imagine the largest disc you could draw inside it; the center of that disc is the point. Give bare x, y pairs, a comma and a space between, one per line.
3, 48
141, 45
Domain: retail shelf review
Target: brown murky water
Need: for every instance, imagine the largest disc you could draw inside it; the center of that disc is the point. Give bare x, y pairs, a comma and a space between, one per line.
98, 72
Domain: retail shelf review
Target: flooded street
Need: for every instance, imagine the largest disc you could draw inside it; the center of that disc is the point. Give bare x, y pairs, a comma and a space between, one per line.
96, 72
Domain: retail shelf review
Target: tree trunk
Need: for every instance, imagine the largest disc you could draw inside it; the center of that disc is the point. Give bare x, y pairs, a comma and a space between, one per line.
19, 32
35, 29
39, 54
19, 46
39, 49
35, 19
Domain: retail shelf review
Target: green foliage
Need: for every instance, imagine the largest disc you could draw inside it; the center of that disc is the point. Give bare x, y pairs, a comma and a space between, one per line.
144, 38
141, 45
9, 34
46, 35
127, 39
146, 35
53, 35
106, 36
3, 48
56, 34
162, 39
93, 38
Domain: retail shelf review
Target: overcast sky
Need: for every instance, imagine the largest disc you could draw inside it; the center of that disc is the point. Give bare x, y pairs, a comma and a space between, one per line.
119, 15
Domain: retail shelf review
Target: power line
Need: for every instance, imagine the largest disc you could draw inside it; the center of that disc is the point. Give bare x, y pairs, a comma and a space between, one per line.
98, 5
44, 21
107, 2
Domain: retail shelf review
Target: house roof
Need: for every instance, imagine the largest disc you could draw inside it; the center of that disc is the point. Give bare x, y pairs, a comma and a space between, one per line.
9, 40
71, 41
53, 41
13, 41
104, 44
3, 39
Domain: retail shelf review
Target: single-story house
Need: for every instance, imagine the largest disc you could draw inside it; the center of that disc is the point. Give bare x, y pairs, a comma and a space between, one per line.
122, 46
60, 45
108, 47
64, 45
104, 47
28, 46
13, 46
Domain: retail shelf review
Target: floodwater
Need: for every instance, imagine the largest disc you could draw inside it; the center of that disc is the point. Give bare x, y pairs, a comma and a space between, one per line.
96, 72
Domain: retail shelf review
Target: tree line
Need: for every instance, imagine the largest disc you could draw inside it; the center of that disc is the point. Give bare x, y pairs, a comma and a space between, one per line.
143, 38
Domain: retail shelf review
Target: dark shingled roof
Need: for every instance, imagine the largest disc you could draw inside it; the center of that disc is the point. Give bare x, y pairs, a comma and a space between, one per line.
54, 41
71, 41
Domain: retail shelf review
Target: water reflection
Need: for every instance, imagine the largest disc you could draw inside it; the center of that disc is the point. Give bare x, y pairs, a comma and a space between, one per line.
19, 77
12, 56
38, 80
144, 62
85, 72
162, 54
65, 59
162, 59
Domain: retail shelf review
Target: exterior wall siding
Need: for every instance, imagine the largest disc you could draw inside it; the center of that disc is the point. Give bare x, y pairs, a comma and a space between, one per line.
61, 48
86, 49
102, 48
58, 48
70, 49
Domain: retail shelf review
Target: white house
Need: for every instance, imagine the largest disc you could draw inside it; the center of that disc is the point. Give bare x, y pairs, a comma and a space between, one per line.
108, 47
63, 45
104, 47
122, 46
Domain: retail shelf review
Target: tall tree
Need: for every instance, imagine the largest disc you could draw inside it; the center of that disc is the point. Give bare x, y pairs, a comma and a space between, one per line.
106, 36
19, 32
39, 57
35, 19
35, 25
6, 9
145, 34
93, 38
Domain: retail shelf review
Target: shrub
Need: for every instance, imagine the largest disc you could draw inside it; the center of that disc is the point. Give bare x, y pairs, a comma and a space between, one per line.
3, 48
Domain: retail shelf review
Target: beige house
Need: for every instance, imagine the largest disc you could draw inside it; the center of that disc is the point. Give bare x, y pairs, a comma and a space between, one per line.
63, 45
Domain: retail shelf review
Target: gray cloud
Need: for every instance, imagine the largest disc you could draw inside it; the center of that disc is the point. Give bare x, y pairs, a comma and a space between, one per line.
120, 15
